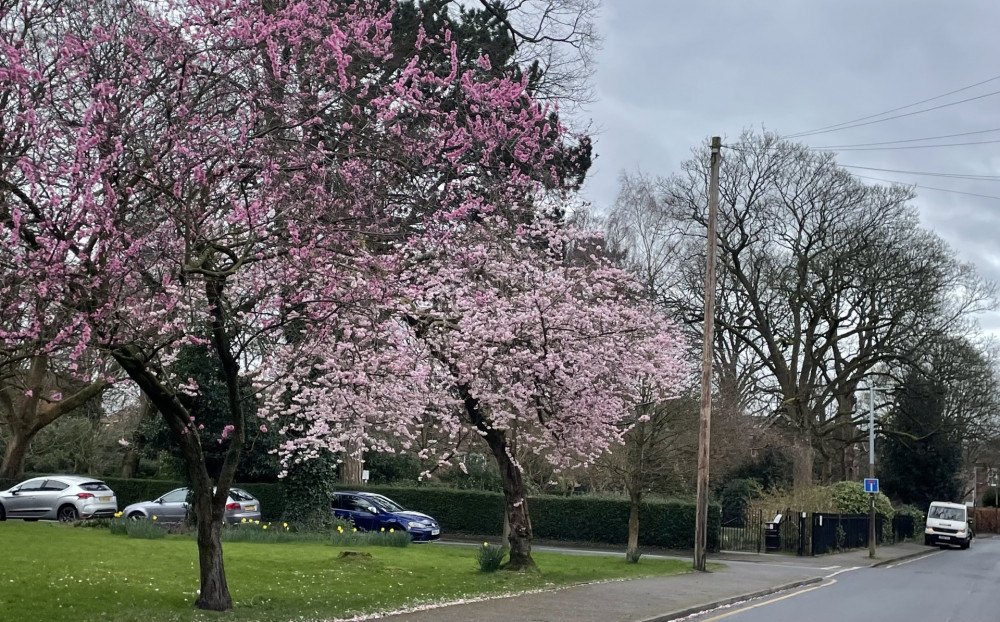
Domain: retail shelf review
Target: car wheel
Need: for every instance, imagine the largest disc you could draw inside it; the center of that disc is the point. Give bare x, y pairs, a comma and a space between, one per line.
68, 514
137, 515
3, 513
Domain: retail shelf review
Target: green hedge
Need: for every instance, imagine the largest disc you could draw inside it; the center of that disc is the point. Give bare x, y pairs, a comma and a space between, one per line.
667, 523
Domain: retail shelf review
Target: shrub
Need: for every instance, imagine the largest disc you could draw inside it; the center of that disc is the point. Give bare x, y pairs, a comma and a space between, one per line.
851, 498
119, 526
490, 557
735, 498
353, 537
990, 498
144, 529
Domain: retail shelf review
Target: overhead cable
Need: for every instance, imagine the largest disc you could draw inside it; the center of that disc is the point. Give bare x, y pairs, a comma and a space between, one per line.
872, 116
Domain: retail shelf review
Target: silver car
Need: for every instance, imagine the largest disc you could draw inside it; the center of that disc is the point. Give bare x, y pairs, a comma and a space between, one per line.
63, 497
173, 507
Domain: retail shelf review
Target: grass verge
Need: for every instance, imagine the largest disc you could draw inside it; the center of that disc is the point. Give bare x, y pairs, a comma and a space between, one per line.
90, 574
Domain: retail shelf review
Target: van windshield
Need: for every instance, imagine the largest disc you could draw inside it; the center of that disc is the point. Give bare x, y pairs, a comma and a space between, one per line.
946, 513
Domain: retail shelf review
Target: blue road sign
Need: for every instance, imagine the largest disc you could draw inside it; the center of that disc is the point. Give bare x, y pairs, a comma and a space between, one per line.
871, 484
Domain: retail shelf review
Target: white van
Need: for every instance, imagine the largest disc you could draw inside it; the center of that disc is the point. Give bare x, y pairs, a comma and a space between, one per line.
948, 525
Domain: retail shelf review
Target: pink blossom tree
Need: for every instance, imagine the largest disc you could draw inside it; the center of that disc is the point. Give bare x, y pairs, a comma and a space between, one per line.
515, 331
224, 173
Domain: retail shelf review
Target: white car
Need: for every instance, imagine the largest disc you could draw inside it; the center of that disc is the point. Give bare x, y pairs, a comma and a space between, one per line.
63, 497
948, 525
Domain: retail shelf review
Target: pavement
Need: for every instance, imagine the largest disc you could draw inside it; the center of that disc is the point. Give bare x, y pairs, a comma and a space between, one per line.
742, 576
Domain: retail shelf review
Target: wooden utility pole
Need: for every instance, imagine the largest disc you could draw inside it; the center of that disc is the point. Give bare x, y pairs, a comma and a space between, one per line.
705, 422
871, 470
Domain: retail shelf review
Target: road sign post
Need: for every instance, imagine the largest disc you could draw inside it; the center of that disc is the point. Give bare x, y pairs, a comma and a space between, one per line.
871, 487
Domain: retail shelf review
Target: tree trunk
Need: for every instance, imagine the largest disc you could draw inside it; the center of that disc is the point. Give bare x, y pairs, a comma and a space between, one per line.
214, 593
803, 461
632, 550
14, 456
354, 463
130, 464
516, 497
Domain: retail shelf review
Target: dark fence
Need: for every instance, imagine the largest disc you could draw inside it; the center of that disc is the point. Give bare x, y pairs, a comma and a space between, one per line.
802, 533
903, 528
986, 520
743, 533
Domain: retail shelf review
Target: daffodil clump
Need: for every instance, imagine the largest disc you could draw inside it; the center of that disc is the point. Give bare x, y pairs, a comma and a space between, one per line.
490, 557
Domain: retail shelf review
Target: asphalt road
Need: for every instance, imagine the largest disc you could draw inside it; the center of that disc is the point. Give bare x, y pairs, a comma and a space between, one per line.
944, 586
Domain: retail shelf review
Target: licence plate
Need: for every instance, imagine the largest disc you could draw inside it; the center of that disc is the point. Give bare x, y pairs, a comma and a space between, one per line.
435, 532
944, 537
105, 498
250, 508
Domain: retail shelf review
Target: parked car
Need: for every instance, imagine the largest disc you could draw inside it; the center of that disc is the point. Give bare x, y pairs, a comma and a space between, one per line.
58, 497
948, 525
372, 512
173, 507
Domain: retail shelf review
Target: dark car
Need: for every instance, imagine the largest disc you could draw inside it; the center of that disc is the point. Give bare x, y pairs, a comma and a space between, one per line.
371, 512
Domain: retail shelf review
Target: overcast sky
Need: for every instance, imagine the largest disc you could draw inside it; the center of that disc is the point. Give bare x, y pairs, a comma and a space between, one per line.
672, 73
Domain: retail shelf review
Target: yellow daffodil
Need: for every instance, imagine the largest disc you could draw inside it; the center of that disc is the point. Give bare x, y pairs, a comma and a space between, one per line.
391, 530
486, 543
355, 529
154, 517
243, 520
383, 529
264, 527
285, 525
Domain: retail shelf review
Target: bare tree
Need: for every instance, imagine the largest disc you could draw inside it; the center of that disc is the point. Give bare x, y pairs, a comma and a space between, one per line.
822, 279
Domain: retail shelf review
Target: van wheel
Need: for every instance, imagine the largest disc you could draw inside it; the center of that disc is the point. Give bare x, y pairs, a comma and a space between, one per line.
966, 544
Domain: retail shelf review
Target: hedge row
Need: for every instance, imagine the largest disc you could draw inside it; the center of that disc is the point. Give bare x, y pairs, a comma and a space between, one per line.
581, 518
668, 523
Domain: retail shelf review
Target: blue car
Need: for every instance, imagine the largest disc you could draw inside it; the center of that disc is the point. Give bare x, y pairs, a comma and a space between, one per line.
371, 512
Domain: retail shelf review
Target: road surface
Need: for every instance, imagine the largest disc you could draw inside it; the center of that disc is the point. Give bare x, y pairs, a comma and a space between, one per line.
944, 586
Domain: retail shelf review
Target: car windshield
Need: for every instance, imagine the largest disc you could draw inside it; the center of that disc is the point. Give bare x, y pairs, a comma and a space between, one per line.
386, 503
943, 513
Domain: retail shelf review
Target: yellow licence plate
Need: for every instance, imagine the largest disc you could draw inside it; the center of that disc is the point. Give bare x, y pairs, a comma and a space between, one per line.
251, 508
105, 498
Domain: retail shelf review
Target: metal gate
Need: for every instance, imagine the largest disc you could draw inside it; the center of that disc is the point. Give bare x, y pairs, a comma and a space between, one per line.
743, 532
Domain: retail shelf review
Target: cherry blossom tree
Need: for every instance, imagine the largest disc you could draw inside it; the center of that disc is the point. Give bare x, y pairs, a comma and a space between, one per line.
502, 329
226, 173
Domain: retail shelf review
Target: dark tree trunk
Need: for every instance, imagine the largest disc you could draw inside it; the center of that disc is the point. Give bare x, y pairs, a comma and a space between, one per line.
516, 498
632, 549
130, 464
209, 497
14, 456
214, 594
352, 468
514, 492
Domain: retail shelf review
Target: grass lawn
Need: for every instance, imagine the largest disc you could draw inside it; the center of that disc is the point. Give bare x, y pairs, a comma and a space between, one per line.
55, 572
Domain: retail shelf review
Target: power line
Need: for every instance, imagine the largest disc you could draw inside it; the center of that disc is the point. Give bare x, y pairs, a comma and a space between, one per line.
831, 128
898, 116
892, 181
909, 140
927, 174
962, 144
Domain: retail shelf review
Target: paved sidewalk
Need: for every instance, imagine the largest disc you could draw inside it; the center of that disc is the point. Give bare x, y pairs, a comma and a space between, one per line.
660, 599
